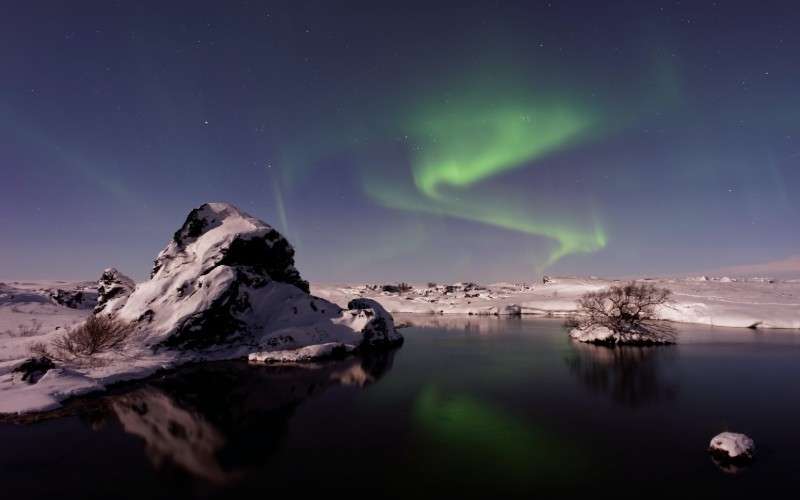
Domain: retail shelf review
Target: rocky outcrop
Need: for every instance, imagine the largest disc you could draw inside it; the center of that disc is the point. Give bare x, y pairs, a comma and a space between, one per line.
225, 287
112, 285
378, 330
228, 281
74, 299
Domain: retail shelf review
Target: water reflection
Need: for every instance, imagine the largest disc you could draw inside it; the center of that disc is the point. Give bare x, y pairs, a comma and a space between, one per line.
468, 434
217, 421
480, 325
632, 376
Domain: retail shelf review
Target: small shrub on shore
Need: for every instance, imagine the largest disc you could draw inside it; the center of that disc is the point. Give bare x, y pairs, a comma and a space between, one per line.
96, 335
628, 311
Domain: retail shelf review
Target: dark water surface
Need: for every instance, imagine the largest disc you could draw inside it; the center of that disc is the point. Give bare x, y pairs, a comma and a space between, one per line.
467, 407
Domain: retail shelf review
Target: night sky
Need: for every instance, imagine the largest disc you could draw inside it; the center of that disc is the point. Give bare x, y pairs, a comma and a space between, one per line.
404, 141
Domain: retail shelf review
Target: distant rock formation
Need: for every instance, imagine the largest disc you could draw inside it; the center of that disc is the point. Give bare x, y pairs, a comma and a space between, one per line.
112, 285
82, 298
227, 280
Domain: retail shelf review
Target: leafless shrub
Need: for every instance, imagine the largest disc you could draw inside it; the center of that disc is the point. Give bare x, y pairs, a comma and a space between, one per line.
39, 349
404, 287
32, 329
97, 334
572, 321
629, 311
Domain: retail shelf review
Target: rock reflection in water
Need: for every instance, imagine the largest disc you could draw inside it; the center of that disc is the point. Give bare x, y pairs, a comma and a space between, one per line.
632, 375
216, 421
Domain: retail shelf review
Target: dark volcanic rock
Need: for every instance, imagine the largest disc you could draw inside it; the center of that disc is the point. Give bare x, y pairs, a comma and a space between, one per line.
112, 285
32, 369
227, 280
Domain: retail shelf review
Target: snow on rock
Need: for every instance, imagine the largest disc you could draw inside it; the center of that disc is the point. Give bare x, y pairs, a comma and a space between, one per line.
32, 369
74, 299
732, 446
228, 279
596, 334
112, 285
224, 287
642, 335
57, 384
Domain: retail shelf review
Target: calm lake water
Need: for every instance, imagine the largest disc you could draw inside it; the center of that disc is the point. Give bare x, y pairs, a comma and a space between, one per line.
468, 406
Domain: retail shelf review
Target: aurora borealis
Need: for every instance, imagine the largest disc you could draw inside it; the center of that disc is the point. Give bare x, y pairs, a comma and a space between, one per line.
404, 142
467, 142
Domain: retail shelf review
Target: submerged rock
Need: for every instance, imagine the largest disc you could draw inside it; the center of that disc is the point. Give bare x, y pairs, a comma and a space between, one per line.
732, 447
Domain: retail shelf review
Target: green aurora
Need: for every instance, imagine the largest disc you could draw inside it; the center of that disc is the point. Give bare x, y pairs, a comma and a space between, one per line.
475, 435
459, 145
469, 144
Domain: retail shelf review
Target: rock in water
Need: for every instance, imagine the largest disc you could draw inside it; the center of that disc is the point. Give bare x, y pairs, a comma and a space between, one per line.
732, 447
227, 281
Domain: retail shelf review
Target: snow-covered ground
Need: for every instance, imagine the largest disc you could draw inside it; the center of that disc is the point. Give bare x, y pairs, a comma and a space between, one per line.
224, 287
30, 313
754, 302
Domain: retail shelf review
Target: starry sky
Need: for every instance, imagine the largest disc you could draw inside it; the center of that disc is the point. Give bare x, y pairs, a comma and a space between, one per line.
404, 140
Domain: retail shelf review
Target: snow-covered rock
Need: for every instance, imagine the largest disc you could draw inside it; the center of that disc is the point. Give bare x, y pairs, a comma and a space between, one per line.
74, 299
595, 334
229, 279
112, 285
224, 287
32, 369
603, 335
732, 446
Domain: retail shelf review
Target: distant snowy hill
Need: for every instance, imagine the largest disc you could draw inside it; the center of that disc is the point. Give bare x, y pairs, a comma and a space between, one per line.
788, 268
